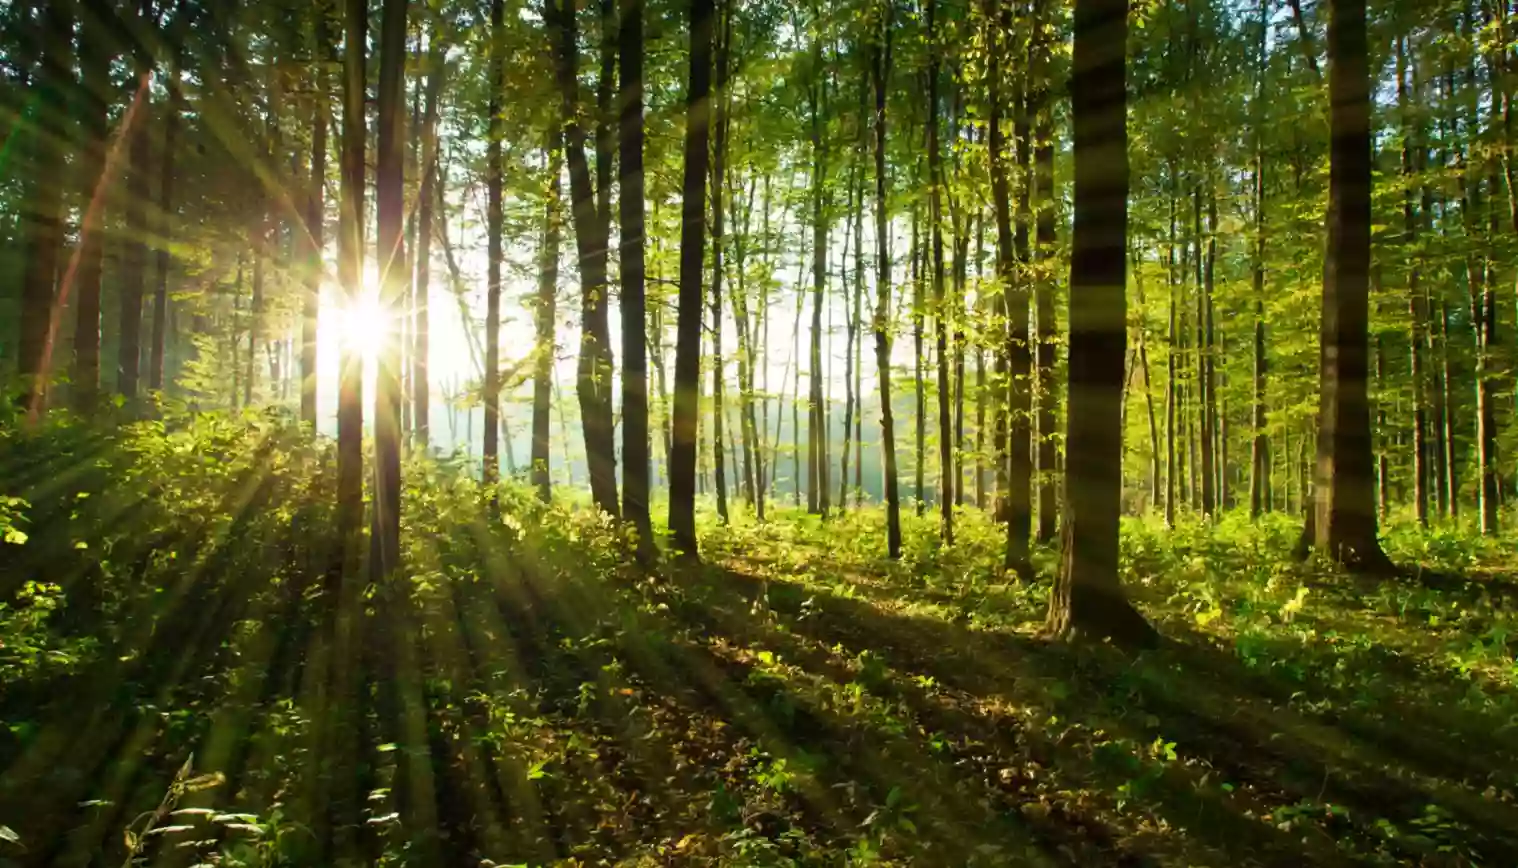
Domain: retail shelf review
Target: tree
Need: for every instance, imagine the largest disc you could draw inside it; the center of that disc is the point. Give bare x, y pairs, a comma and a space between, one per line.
880, 70
589, 207
95, 57
1344, 510
682, 460
350, 263
493, 228
390, 193
941, 315
1088, 596
634, 309
421, 386
543, 313
315, 235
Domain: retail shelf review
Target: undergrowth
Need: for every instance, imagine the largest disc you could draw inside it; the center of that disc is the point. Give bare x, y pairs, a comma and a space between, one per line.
182, 681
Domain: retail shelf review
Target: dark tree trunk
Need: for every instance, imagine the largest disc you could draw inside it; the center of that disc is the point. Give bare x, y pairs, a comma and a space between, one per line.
165, 229
1345, 510
315, 234
1043, 296
920, 418
543, 315
42, 221
135, 249
96, 54
1417, 301
682, 469
390, 195
592, 238
494, 218
817, 433
880, 69
1259, 477
1088, 598
1211, 489
723, 35
630, 246
421, 353
940, 302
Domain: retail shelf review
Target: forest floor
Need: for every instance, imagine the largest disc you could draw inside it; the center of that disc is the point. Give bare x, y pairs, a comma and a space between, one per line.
527, 696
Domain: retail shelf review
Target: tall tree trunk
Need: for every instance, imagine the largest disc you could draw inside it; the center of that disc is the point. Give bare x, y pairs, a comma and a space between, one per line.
880, 68
96, 54
42, 221
920, 418
421, 353
165, 228
135, 249
1043, 297
1344, 525
1013, 360
1259, 452
630, 246
390, 195
494, 218
682, 471
1417, 298
545, 309
1088, 596
940, 302
1449, 492
817, 433
723, 34
855, 212
1172, 368
313, 239
594, 369
1211, 466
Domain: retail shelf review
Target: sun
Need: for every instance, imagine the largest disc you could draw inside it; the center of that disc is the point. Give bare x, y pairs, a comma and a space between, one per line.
363, 324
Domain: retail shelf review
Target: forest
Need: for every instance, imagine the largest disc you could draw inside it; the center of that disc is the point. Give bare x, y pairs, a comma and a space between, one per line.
758, 433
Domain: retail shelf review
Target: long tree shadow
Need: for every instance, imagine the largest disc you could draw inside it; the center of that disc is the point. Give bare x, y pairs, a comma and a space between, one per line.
1332, 770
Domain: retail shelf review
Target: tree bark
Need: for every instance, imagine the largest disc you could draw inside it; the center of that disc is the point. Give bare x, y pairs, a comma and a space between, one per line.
630, 247
1088, 597
594, 369
723, 35
390, 195
880, 69
96, 54
682, 475
42, 221
313, 240
166, 157
940, 303
1260, 462
1043, 297
544, 312
817, 433
1344, 525
494, 218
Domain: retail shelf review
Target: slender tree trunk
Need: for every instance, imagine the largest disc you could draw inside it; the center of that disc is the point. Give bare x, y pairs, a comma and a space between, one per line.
165, 220
494, 220
940, 302
96, 55
682, 508
1088, 596
631, 241
135, 251
421, 354
1417, 301
315, 235
718, 176
544, 312
1172, 372
920, 418
391, 203
1260, 461
817, 433
1449, 493
880, 68
1043, 298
